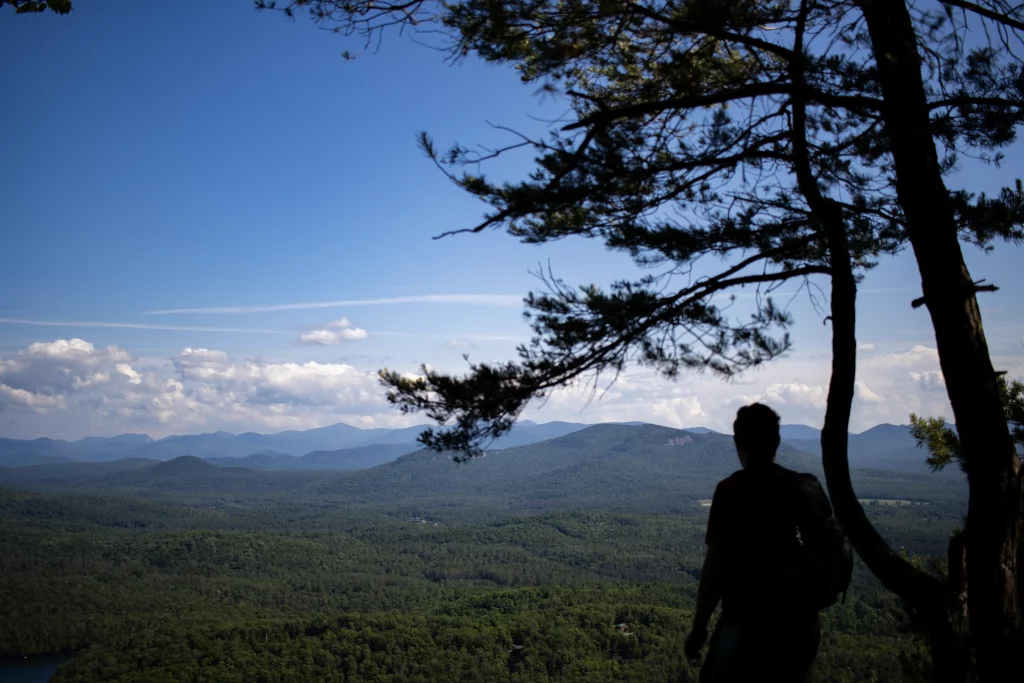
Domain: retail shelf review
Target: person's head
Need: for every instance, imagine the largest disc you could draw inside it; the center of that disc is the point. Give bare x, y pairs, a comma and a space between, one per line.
756, 434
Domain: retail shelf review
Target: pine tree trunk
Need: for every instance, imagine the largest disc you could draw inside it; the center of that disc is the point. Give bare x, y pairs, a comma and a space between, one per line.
994, 510
948, 630
944, 616
924, 592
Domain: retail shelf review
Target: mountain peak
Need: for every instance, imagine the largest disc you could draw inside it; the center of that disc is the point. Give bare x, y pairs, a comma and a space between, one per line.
184, 463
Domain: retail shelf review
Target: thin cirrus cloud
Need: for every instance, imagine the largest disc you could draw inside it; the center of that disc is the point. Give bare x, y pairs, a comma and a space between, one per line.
466, 299
137, 326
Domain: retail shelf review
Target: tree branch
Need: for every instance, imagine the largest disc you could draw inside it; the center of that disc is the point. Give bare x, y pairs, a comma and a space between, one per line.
687, 102
995, 16
976, 287
968, 101
513, 210
859, 102
692, 27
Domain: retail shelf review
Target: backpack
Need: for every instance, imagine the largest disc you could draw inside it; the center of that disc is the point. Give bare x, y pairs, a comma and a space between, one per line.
822, 562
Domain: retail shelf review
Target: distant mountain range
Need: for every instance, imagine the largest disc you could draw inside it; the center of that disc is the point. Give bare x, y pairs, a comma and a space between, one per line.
219, 445
359, 458
345, 447
623, 466
884, 446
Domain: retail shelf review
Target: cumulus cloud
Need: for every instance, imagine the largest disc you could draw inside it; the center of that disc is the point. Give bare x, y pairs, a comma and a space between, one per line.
11, 398
679, 412
460, 344
930, 380
70, 388
106, 390
337, 332
41, 376
920, 357
890, 386
794, 394
864, 393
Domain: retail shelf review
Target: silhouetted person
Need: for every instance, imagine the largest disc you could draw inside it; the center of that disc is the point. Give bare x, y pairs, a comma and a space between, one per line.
769, 627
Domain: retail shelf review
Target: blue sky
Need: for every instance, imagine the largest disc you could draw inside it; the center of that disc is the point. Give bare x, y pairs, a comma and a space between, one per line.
193, 155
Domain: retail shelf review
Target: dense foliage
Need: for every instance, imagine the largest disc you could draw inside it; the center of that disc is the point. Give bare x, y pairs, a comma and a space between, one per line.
942, 442
307, 583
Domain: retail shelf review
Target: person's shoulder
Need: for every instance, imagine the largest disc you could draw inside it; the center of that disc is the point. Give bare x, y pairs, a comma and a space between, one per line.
809, 488
732, 481
805, 478
729, 487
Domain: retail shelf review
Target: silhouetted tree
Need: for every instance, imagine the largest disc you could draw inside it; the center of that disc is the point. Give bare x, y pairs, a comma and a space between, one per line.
942, 442
790, 139
34, 6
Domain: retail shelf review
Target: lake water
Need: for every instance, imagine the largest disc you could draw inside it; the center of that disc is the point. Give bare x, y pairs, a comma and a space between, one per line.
30, 670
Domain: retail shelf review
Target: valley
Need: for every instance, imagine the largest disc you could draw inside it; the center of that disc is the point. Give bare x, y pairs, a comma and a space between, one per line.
513, 567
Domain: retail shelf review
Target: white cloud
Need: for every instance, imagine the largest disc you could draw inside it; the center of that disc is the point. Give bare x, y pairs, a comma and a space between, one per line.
84, 389
918, 357
40, 377
797, 387
463, 299
20, 398
863, 392
866, 347
684, 411
931, 380
337, 332
795, 394
129, 372
459, 344
70, 388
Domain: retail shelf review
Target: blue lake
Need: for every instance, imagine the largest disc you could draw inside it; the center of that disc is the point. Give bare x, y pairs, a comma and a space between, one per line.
31, 669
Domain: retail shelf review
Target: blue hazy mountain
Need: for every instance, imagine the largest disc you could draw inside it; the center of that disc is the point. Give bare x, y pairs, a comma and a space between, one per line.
28, 459
227, 445
357, 458
884, 446
642, 467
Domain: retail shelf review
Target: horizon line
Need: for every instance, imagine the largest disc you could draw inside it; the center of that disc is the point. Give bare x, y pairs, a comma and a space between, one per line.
585, 425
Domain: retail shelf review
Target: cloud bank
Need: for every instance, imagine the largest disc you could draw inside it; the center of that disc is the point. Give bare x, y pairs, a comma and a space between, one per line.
68, 388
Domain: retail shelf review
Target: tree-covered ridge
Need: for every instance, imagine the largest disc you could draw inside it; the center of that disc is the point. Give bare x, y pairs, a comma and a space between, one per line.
157, 591
625, 467
168, 570
526, 634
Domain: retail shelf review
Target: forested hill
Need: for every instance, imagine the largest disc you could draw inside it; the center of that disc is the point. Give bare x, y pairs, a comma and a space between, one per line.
622, 466
518, 566
609, 465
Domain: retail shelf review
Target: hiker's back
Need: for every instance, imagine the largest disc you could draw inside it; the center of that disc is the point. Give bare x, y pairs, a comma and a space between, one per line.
776, 555
773, 627
756, 514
